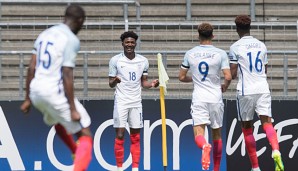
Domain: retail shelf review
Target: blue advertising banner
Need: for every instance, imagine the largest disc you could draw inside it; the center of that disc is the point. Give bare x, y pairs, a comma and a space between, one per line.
285, 115
26, 143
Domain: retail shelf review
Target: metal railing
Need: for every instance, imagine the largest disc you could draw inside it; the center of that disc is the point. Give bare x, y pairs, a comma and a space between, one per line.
188, 6
71, 1
102, 92
125, 4
252, 7
284, 72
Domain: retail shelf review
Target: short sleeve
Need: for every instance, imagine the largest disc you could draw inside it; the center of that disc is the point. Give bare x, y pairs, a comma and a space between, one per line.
185, 63
146, 67
225, 62
34, 50
265, 56
232, 55
70, 53
113, 67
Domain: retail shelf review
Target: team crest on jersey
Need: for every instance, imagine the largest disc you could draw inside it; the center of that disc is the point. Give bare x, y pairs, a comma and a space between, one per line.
140, 66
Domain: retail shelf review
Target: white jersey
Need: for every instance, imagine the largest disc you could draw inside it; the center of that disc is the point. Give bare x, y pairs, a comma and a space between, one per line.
54, 48
128, 91
205, 63
251, 56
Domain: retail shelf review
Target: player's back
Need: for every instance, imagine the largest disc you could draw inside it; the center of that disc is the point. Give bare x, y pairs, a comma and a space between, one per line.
206, 62
50, 48
251, 56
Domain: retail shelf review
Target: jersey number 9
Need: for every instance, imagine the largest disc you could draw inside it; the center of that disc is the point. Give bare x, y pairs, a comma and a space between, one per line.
203, 69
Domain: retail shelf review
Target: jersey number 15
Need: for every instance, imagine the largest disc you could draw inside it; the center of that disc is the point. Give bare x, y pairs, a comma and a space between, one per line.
44, 55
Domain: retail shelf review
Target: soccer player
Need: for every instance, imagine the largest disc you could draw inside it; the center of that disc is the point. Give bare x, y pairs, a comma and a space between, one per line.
128, 72
248, 56
206, 63
49, 85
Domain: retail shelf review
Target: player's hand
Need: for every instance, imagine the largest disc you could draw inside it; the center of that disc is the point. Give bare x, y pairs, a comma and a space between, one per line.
75, 115
117, 80
155, 83
223, 88
25, 107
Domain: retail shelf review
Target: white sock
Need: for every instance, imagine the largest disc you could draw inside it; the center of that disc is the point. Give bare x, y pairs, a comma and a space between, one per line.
135, 169
275, 151
256, 169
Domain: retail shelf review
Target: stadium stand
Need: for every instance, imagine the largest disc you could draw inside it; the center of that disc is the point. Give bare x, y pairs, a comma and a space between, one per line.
163, 27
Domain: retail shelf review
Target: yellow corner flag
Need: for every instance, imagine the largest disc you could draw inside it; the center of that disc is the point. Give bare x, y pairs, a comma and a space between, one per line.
162, 74
163, 80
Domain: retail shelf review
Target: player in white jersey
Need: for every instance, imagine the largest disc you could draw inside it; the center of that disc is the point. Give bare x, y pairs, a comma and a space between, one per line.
206, 63
49, 85
128, 72
248, 57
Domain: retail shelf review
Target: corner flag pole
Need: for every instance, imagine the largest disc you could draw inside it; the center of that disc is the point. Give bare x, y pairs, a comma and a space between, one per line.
163, 79
163, 128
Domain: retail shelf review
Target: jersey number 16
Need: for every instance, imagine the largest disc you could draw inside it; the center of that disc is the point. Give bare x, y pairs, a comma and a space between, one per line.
258, 62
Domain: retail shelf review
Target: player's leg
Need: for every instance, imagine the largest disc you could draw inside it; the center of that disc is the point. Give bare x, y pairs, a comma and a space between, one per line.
57, 111
120, 115
250, 143
199, 131
135, 148
119, 147
66, 138
273, 141
264, 111
270, 132
246, 109
200, 116
83, 153
50, 107
135, 120
216, 111
217, 148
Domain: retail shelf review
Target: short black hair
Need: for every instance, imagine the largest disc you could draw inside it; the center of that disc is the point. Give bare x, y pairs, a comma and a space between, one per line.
205, 31
243, 22
74, 12
128, 34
